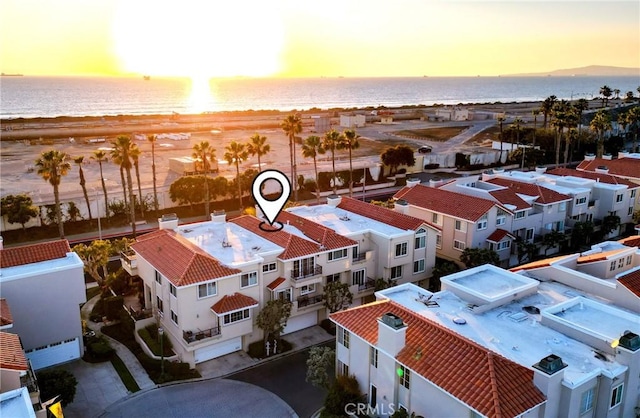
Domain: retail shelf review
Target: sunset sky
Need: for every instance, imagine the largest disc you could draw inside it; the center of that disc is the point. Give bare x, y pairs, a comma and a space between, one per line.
292, 38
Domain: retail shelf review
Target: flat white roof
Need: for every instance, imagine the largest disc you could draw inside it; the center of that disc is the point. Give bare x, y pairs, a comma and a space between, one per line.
229, 243
489, 282
70, 261
344, 222
514, 332
569, 191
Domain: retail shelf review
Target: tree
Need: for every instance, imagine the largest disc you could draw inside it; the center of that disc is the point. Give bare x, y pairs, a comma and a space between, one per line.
311, 148
273, 318
292, 126
330, 143
52, 166
95, 257
501, 120
581, 234
153, 139
18, 208
546, 107
526, 250
80, 160
633, 121
337, 296
472, 257
57, 382
381, 283
101, 156
236, 154
397, 156
135, 157
259, 147
320, 366
204, 153
123, 148
605, 92
345, 391
600, 123
349, 141
610, 223
551, 240
560, 114
73, 213
628, 97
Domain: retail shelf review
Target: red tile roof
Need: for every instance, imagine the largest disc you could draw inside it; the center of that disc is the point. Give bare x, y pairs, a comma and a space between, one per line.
235, 302
11, 354
598, 256
509, 197
538, 264
545, 196
178, 259
5, 313
601, 177
482, 379
631, 281
384, 215
317, 232
294, 246
277, 282
34, 253
623, 167
443, 201
632, 241
498, 235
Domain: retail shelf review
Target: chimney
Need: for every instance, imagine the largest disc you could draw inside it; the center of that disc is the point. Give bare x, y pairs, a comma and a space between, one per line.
168, 221
589, 157
630, 341
219, 216
392, 332
435, 182
548, 377
411, 182
401, 206
606, 157
1, 243
333, 200
541, 169
623, 154
602, 169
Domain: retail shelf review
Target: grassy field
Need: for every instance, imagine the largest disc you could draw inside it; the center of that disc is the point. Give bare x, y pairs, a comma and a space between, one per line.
433, 134
126, 377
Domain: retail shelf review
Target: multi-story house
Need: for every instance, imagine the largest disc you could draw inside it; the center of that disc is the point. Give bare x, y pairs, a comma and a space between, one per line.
626, 166
492, 343
387, 244
44, 285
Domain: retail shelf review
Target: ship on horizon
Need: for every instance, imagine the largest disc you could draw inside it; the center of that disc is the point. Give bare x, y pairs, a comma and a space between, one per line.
11, 75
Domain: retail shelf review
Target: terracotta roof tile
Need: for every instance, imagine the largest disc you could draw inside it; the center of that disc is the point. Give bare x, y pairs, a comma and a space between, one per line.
498, 235
384, 215
601, 177
5, 313
509, 197
545, 195
179, 260
632, 241
317, 232
538, 264
484, 380
598, 256
294, 246
11, 354
235, 302
631, 281
623, 167
277, 282
443, 201
34, 253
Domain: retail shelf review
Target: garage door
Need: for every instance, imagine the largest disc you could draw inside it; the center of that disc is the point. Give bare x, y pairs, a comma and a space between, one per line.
217, 350
301, 322
54, 354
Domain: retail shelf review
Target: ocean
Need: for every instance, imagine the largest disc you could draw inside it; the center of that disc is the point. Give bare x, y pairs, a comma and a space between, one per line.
29, 97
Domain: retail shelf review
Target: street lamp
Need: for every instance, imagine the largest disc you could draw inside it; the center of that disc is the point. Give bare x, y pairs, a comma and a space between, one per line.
161, 334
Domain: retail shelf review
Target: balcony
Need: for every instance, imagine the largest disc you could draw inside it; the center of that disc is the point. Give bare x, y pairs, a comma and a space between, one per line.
368, 284
304, 301
359, 258
129, 262
29, 381
306, 273
193, 336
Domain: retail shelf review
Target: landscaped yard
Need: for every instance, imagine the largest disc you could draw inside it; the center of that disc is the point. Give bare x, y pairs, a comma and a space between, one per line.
433, 134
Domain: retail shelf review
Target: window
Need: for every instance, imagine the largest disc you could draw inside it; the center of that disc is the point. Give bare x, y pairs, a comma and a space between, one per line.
616, 395
629, 258
529, 234
581, 201
306, 266
405, 376
459, 225
249, 279
630, 211
501, 220
333, 278
434, 218
586, 401
358, 277
621, 263
338, 254
207, 289
420, 242
343, 369
159, 304
482, 223
158, 277
612, 266
418, 266
396, 272
438, 241
235, 316
354, 252
284, 295
343, 337
459, 245
401, 249
373, 356
633, 193
619, 198
173, 290
520, 214
306, 289
503, 245
174, 317
266, 268
562, 207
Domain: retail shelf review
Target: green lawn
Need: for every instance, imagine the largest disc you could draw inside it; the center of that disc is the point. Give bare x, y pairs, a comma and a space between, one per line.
128, 380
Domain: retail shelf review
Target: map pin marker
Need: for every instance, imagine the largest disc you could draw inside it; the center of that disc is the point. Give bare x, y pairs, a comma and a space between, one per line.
271, 208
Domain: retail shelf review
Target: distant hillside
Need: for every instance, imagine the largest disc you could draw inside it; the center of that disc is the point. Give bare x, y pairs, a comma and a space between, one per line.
594, 70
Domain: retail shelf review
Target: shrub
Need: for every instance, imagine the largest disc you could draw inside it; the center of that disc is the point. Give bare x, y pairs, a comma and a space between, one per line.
113, 307
150, 336
257, 349
344, 390
57, 382
98, 350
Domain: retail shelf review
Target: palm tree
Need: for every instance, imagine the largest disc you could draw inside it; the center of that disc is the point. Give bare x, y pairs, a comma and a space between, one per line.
623, 122
123, 148
101, 156
560, 114
536, 113
116, 158
616, 93
572, 135
153, 139
311, 148
501, 120
52, 165
606, 92
330, 142
205, 153
259, 147
600, 123
349, 141
633, 118
547, 107
80, 160
236, 154
516, 125
292, 125
135, 156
